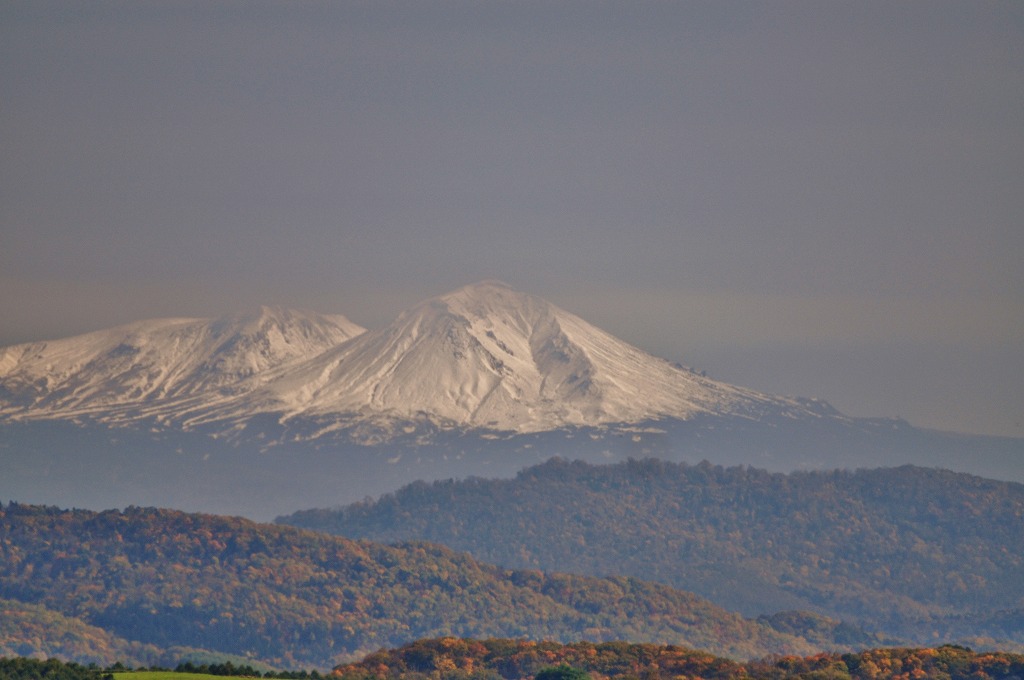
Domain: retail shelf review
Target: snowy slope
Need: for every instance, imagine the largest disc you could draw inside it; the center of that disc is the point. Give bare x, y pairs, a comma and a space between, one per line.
487, 356
484, 356
129, 371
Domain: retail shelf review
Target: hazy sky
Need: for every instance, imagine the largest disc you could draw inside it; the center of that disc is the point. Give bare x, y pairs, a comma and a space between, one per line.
814, 198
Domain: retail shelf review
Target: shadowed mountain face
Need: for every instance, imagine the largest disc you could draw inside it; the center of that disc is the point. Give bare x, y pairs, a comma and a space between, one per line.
281, 410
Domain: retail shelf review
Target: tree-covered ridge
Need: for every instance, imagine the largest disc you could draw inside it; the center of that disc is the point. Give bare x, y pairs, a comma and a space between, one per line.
502, 659
31, 630
296, 598
34, 630
906, 550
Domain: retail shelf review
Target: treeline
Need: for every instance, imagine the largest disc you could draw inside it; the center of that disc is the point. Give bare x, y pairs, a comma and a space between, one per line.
295, 599
910, 551
464, 659
505, 659
21, 668
230, 670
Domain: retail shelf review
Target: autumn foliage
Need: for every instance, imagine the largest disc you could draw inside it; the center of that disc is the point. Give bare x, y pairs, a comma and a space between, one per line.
919, 554
461, 659
297, 599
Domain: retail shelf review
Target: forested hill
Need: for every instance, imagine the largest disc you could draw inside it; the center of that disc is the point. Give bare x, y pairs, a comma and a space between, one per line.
31, 629
920, 553
296, 598
521, 660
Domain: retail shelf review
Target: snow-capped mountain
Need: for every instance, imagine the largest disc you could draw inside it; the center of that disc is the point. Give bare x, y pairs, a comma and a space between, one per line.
487, 356
483, 357
160, 364
275, 411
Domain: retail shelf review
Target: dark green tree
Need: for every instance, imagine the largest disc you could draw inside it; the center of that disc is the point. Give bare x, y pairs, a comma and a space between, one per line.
563, 672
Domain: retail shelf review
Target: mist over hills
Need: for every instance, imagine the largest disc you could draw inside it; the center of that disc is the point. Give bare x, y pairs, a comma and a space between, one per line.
281, 410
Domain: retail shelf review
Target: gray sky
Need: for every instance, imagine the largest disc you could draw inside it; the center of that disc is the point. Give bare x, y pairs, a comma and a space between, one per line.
810, 198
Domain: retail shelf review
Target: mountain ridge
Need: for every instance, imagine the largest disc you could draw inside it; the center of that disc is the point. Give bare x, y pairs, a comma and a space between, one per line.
906, 551
146, 367
481, 357
291, 597
275, 411
488, 357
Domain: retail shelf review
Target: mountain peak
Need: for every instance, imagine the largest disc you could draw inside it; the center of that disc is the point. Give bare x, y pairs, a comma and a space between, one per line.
149, 364
483, 356
488, 356
487, 305
271, 318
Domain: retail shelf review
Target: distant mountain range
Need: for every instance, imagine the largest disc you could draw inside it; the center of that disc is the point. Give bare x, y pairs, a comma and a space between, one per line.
143, 584
278, 410
923, 555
